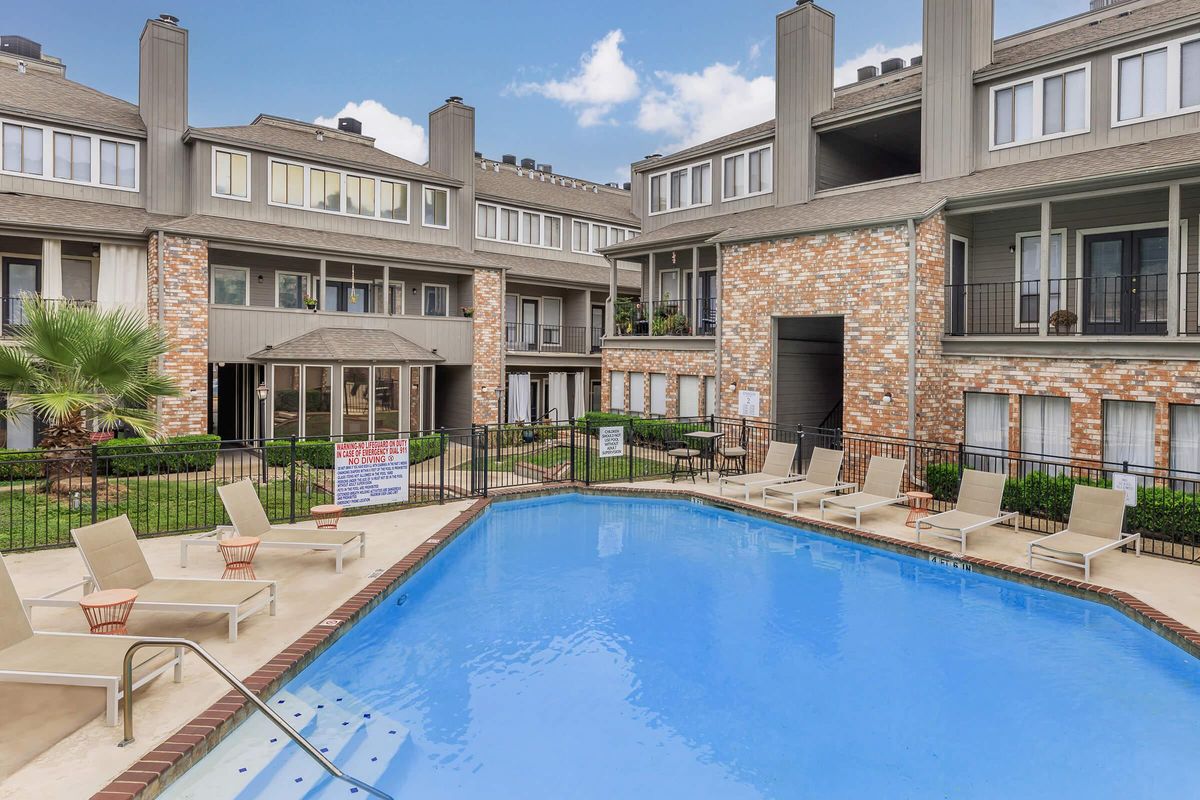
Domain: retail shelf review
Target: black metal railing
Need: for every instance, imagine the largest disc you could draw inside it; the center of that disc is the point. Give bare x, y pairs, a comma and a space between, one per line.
12, 311
528, 338
666, 317
1189, 302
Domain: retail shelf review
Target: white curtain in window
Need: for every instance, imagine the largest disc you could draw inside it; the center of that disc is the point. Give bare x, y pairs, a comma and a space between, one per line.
558, 408
1129, 433
518, 397
122, 277
689, 396
637, 392
616, 391
1185, 440
710, 395
987, 430
658, 394
1045, 431
581, 401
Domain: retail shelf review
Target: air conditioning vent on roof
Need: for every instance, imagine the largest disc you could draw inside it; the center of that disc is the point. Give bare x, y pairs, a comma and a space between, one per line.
21, 47
915, 61
528, 163
866, 73
545, 168
891, 65
349, 125
509, 159
627, 186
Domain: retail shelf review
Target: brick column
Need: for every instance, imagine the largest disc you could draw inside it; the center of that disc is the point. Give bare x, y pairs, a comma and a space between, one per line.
488, 337
184, 319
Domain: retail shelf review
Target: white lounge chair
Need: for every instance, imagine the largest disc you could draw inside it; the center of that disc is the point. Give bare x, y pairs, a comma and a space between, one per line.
114, 560
249, 519
1094, 528
73, 659
979, 497
881, 488
822, 477
776, 468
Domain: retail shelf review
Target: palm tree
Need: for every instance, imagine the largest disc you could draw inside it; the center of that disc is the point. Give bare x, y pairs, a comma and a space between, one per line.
71, 365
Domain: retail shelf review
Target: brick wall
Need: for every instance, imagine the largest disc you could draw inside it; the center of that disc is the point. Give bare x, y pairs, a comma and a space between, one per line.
184, 268
488, 334
673, 363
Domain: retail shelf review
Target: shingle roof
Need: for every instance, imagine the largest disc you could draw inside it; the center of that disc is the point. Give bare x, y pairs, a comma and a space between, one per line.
300, 138
505, 184
47, 95
347, 344
897, 202
565, 271
904, 86
29, 210
728, 140
344, 244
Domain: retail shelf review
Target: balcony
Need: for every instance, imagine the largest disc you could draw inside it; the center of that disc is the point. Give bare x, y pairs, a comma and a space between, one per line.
639, 318
550, 339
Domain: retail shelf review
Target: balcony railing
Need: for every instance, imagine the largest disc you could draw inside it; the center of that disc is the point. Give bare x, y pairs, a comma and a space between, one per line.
529, 338
12, 312
1121, 305
666, 317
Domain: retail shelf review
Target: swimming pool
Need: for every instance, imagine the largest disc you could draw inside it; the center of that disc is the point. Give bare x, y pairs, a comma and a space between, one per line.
612, 647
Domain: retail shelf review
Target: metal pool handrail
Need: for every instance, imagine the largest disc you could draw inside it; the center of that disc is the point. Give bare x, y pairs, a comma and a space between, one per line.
245, 692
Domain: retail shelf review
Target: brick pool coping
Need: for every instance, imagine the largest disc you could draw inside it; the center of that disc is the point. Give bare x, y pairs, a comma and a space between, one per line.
161, 766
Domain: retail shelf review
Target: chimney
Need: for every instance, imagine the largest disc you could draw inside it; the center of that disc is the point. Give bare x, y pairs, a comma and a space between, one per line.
349, 125
957, 41
163, 105
451, 149
803, 89
868, 72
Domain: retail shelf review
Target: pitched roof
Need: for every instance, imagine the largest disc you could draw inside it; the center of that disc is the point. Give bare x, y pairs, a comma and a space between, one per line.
907, 85
332, 242
48, 95
566, 271
719, 143
505, 184
299, 138
347, 344
888, 204
36, 211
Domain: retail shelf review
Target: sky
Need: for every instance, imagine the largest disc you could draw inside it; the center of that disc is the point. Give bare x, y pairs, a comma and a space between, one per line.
587, 87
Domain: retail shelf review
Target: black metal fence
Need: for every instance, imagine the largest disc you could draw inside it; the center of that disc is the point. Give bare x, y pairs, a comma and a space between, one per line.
171, 487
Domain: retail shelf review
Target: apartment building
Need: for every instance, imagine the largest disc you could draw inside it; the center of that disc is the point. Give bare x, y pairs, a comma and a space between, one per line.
995, 243
312, 283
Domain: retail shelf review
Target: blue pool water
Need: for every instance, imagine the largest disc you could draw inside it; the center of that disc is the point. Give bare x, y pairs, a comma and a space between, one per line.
583, 647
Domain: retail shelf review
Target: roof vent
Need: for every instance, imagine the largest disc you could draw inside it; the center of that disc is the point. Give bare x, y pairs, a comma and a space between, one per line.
613, 185
22, 67
915, 61
891, 65
509, 159
478, 154
866, 73
627, 186
528, 163
455, 99
170, 19
349, 125
21, 46
320, 136
545, 168
653, 155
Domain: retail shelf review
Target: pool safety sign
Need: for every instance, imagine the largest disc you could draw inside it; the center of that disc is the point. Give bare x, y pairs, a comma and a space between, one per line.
370, 473
1128, 484
612, 441
748, 403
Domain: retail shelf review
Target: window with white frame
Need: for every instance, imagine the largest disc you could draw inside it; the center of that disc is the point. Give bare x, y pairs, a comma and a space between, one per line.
57, 154
682, 187
437, 207
510, 227
291, 288
1128, 433
360, 196
747, 173
1157, 81
689, 396
1029, 275
1185, 441
658, 394
335, 192
393, 200
1042, 107
589, 237
616, 390
22, 149
118, 164
516, 226
72, 157
231, 174
579, 237
986, 434
324, 189
1045, 429
287, 183
436, 300
637, 392
230, 286
552, 232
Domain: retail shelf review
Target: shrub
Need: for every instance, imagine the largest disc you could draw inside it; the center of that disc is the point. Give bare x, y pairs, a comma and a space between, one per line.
18, 465
424, 448
942, 481
660, 431
138, 456
520, 433
600, 419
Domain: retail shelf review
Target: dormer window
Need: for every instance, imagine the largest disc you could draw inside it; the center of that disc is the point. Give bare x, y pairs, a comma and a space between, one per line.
687, 186
22, 149
1047, 106
231, 174
437, 207
747, 174
72, 157
62, 155
118, 164
1158, 81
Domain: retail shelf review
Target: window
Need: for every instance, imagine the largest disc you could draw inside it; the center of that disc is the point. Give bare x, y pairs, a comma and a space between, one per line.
552, 321
637, 392
360, 196
22, 149
986, 435
1185, 441
318, 398
689, 396
1045, 430
710, 395
579, 237
118, 164
589, 237
616, 391
287, 184
509, 225
231, 286
1044, 107
324, 190
393, 200
349, 297
599, 237
356, 400
1128, 433
1029, 273
436, 299
285, 406
290, 289
485, 221
682, 187
387, 400
231, 174
747, 174
531, 228
1158, 81
553, 232
437, 207
73, 157
658, 394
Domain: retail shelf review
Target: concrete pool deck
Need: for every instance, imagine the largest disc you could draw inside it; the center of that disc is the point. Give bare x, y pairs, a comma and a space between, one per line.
69, 752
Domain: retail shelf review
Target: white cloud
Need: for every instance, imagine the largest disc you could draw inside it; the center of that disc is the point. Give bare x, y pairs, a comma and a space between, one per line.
692, 107
396, 134
847, 71
602, 81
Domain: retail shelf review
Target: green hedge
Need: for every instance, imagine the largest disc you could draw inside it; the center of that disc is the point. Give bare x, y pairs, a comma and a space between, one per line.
942, 481
137, 456
645, 431
514, 434
18, 465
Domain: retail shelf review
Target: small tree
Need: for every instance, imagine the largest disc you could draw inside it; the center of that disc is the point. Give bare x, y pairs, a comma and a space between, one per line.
72, 364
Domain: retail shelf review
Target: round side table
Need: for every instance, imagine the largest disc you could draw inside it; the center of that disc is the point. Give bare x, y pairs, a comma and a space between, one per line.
327, 516
918, 506
108, 611
238, 552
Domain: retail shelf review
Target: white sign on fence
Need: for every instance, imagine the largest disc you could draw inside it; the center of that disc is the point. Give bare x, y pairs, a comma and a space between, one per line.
748, 403
1128, 484
370, 473
612, 441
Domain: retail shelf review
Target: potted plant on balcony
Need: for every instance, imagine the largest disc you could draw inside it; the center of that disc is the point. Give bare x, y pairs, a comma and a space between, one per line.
310, 302
1063, 320
468, 311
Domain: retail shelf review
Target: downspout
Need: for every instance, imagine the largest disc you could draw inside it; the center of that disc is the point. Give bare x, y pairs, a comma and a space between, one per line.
162, 359
912, 328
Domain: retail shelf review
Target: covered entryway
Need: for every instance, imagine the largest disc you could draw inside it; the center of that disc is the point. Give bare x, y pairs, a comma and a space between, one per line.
808, 371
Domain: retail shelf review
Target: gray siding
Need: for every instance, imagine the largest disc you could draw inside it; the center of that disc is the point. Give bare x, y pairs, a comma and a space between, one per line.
75, 191
957, 37
563, 253
452, 152
163, 101
803, 88
641, 182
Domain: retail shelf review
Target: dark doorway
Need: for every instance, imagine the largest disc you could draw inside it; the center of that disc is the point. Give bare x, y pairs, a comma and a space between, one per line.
808, 371
1125, 275
958, 287
597, 327
229, 409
